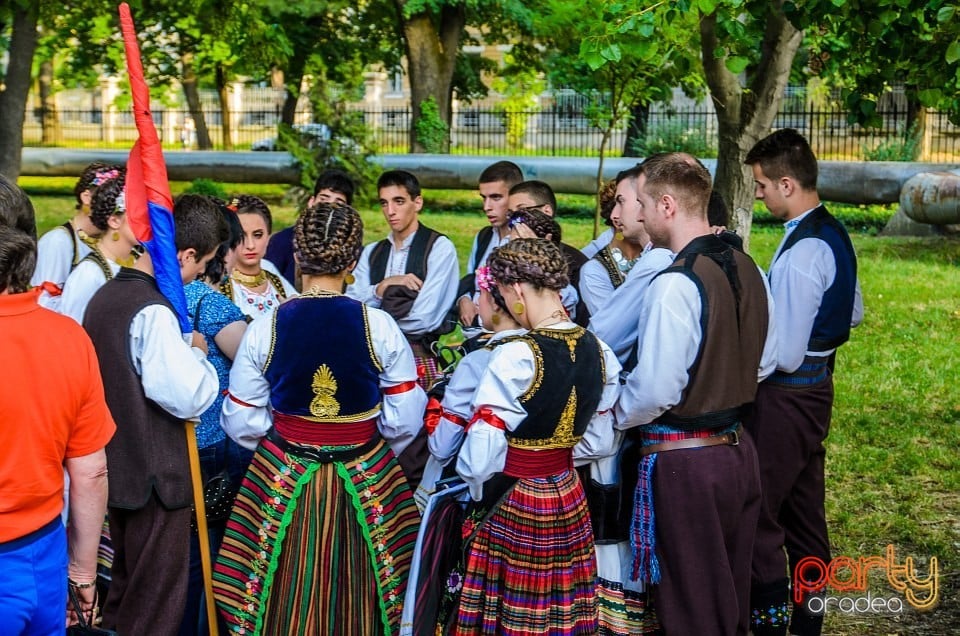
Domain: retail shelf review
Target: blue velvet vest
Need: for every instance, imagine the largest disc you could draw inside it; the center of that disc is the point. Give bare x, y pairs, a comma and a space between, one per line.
322, 366
831, 327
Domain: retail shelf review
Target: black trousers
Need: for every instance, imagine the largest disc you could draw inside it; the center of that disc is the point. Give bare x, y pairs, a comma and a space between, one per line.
789, 426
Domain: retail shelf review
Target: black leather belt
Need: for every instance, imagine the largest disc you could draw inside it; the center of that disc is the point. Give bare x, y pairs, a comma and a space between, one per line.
315, 454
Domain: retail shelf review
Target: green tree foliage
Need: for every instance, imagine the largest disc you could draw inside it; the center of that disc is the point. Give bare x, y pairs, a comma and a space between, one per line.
747, 48
617, 59
21, 41
432, 131
519, 84
347, 148
867, 47
433, 32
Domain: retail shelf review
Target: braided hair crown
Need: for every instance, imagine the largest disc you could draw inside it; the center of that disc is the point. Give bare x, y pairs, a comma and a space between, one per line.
105, 201
249, 204
530, 260
327, 238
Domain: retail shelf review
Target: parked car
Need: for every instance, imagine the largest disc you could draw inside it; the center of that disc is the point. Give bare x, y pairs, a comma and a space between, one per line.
312, 133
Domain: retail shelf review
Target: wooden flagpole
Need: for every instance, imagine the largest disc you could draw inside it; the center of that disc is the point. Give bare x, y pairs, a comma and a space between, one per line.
202, 535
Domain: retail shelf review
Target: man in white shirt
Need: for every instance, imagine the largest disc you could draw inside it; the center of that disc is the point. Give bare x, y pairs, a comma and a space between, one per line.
608, 322
813, 278
538, 195
412, 274
705, 339
154, 378
494, 187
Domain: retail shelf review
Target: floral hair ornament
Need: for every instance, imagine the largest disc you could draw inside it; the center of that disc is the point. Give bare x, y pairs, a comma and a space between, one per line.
102, 176
234, 204
120, 207
517, 217
485, 279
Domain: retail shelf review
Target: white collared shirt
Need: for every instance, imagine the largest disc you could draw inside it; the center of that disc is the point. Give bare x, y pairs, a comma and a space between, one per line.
437, 295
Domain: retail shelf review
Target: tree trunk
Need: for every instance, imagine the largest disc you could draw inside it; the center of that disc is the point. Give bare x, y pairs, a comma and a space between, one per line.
13, 100
192, 94
226, 128
916, 127
293, 81
636, 129
745, 114
431, 58
603, 153
50, 121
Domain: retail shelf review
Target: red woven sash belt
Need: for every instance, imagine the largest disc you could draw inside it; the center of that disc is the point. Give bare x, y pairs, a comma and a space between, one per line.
525, 463
303, 431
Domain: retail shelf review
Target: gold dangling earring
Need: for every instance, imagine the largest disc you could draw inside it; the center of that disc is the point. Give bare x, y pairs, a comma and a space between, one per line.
115, 236
495, 319
518, 308
349, 279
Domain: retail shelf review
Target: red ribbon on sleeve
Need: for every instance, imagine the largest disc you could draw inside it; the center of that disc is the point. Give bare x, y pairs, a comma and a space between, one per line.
485, 414
432, 415
403, 387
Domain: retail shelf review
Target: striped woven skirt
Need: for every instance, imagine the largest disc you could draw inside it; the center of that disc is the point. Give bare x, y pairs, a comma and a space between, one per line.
317, 548
530, 567
624, 608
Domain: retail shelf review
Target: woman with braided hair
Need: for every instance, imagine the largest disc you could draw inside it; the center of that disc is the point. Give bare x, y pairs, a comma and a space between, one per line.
255, 285
542, 401
322, 533
439, 541
62, 248
535, 224
117, 246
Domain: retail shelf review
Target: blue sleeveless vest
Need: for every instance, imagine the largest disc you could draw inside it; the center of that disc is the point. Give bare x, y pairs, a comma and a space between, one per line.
322, 366
831, 327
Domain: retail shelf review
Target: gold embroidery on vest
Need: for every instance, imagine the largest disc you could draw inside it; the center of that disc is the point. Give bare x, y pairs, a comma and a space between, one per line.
537, 368
277, 285
563, 436
324, 386
570, 336
605, 256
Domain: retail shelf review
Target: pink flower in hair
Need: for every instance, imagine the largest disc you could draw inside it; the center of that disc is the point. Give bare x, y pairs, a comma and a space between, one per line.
101, 177
485, 279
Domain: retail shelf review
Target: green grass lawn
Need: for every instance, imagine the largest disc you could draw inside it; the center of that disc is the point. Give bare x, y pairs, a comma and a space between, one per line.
893, 456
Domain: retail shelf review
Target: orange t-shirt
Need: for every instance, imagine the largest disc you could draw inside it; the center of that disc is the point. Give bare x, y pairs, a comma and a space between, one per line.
51, 408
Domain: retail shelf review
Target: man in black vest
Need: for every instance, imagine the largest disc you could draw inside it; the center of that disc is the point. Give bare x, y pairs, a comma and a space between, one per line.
705, 337
494, 187
814, 282
412, 274
153, 381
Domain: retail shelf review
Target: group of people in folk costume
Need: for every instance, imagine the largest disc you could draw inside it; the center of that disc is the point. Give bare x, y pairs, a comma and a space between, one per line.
632, 442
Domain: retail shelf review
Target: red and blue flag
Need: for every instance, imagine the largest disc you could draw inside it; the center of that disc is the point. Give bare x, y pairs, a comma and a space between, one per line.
147, 191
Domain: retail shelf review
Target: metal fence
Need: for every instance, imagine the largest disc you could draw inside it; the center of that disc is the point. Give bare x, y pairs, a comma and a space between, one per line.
553, 131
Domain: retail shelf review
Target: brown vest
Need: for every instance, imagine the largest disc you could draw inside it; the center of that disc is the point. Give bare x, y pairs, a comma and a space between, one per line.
149, 450
733, 322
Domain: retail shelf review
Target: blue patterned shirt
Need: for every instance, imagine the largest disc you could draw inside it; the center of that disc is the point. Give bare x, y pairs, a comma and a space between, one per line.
216, 312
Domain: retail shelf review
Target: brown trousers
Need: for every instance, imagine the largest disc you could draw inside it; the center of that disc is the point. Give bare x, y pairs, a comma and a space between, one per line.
707, 501
148, 592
